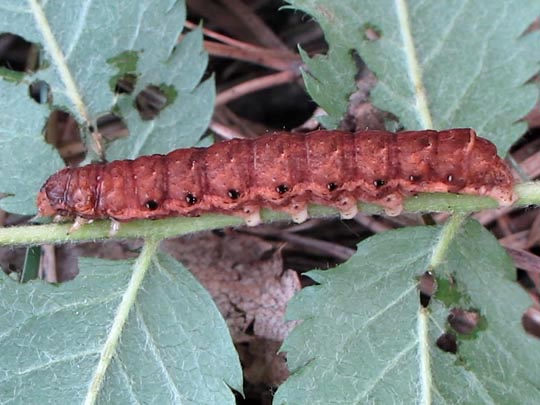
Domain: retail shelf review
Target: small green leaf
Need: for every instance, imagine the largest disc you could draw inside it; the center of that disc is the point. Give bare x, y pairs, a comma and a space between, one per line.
334, 71
439, 64
147, 334
126, 64
364, 338
31, 264
189, 107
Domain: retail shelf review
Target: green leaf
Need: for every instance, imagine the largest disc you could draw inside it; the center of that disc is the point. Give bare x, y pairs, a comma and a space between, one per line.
147, 334
364, 337
182, 122
86, 48
30, 269
330, 81
25, 160
501, 355
78, 40
439, 64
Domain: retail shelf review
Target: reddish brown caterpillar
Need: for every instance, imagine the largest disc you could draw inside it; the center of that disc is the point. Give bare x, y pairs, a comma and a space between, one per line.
283, 171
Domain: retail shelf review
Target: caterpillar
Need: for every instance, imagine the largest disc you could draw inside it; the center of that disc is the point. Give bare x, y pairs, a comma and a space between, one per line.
282, 171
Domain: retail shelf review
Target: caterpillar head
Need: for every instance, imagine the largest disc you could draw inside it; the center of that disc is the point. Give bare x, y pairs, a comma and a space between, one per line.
45, 209
51, 196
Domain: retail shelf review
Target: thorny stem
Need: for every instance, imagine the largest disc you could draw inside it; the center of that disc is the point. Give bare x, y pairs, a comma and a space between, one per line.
165, 228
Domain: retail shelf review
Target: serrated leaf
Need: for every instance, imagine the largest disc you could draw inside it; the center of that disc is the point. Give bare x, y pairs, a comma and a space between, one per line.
337, 70
439, 64
174, 346
364, 338
26, 161
181, 123
500, 356
86, 48
79, 39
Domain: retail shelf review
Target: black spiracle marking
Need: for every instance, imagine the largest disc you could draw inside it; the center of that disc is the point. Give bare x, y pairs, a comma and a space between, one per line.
152, 205
191, 199
234, 194
332, 186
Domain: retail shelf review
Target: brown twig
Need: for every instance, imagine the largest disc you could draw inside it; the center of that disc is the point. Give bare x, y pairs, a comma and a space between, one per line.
243, 127
372, 224
254, 85
262, 34
213, 12
260, 56
278, 59
225, 131
315, 246
228, 40
524, 260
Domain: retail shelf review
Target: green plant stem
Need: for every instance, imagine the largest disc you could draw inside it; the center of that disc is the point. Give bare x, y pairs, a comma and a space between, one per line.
448, 233
529, 194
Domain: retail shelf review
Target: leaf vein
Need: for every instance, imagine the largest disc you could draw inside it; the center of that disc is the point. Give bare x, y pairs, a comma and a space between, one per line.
59, 59
450, 113
83, 15
155, 351
414, 70
124, 374
128, 300
445, 34
68, 307
42, 366
390, 366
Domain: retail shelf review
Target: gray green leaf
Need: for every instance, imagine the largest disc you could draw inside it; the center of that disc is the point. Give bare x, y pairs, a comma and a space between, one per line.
174, 346
183, 121
86, 48
78, 40
364, 338
25, 159
439, 64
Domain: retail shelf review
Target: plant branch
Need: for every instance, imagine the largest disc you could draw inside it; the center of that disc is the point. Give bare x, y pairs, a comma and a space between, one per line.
165, 228
260, 56
279, 59
254, 85
446, 237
